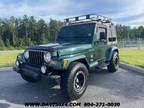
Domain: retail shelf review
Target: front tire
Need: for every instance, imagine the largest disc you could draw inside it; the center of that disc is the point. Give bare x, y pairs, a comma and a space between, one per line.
29, 78
74, 81
114, 63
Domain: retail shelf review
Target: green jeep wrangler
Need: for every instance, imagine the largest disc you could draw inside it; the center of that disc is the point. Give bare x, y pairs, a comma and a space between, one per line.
85, 42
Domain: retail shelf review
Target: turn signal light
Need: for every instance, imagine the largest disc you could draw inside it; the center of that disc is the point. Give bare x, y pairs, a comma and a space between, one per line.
53, 62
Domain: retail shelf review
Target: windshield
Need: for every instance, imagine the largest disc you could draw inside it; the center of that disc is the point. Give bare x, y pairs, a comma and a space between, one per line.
80, 33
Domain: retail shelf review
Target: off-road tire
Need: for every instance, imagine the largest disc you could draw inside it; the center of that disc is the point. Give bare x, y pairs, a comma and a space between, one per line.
114, 63
69, 81
30, 79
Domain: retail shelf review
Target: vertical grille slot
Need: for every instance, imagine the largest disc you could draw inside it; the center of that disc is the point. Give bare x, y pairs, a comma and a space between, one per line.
36, 57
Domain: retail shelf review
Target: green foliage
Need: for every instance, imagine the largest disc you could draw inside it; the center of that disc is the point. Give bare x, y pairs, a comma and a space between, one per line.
54, 27
1, 43
128, 33
26, 31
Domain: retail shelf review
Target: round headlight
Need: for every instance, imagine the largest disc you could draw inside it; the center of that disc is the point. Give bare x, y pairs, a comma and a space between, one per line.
47, 57
26, 54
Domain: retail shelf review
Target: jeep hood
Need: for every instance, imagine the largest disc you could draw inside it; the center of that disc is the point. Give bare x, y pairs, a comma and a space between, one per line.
63, 48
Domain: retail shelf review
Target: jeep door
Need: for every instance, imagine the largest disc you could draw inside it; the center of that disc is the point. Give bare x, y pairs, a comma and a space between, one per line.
100, 43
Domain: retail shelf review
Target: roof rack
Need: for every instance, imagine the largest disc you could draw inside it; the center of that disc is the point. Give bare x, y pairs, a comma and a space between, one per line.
88, 17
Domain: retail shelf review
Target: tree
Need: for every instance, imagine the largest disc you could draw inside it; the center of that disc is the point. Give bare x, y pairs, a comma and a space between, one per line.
42, 32
54, 27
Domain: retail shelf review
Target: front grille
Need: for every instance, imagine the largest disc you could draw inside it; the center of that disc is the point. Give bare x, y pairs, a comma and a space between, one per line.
36, 58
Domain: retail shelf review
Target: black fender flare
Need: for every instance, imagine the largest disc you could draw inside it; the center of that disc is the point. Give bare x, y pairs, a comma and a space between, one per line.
109, 53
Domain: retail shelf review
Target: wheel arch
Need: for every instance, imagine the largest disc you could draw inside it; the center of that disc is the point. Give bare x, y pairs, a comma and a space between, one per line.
84, 61
81, 59
109, 53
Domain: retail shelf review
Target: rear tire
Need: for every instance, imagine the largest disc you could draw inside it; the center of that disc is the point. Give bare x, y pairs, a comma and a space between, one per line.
74, 81
114, 63
29, 78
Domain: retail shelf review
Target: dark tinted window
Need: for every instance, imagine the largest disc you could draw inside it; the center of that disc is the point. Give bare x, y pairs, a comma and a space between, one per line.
102, 33
82, 32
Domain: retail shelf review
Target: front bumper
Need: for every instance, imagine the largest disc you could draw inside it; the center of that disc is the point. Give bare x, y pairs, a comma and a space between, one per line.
29, 71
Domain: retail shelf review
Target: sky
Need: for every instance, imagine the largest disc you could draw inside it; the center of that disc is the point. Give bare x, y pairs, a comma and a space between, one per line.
127, 12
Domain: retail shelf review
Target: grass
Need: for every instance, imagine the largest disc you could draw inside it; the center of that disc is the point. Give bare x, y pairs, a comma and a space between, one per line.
132, 56
7, 58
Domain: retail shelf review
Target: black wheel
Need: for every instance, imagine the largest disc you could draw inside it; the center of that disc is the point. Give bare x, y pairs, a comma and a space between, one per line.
74, 81
30, 79
114, 63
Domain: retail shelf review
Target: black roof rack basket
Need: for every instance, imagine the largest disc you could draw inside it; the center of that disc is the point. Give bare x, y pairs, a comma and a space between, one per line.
88, 17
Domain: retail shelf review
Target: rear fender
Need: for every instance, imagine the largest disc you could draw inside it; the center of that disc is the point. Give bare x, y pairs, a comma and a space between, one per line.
109, 53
